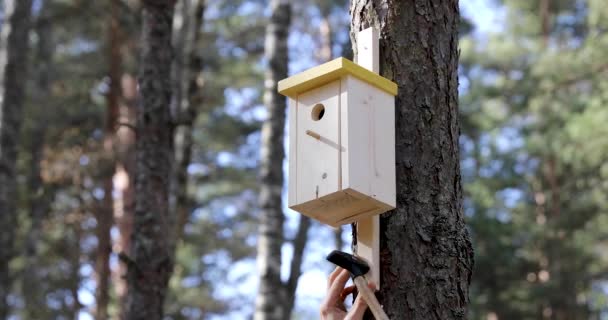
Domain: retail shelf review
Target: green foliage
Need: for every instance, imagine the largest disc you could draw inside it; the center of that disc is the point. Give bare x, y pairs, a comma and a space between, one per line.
534, 158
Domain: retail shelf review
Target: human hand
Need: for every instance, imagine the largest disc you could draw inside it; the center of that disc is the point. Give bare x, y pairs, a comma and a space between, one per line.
333, 306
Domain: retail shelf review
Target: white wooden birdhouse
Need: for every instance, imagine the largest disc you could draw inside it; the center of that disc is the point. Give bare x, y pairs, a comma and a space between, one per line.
342, 142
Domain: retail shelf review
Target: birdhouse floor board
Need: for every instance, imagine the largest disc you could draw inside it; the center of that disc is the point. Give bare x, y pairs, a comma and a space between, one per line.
342, 207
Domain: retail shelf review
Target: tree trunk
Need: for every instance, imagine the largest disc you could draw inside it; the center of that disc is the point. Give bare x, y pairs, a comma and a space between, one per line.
186, 99
124, 177
295, 270
73, 258
326, 47
105, 212
326, 54
270, 301
151, 264
39, 194
14, 79
426, 255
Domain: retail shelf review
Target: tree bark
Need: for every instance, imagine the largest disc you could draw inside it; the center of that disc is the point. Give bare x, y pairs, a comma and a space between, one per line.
151, 264
186, 100
270, 301
426, 255
14, 79
124, 177
105, 212
39, 194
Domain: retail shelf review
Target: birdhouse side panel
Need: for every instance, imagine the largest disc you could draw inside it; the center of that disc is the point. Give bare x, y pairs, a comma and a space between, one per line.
369, 140
292, 157
318, 142
344, 129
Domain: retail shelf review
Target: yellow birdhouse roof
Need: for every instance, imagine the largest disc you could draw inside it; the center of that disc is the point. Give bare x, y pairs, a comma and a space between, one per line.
330, 71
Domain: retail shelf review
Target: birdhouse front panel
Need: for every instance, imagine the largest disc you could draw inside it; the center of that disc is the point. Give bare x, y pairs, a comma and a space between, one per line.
341, 136
318, 140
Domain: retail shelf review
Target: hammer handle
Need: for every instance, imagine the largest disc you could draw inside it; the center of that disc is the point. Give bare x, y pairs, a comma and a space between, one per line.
370, 298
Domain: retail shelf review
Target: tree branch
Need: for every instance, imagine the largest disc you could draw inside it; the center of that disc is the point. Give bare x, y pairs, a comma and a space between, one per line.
299, 244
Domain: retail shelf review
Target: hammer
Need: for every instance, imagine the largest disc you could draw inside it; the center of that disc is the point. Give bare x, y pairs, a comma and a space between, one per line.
358, 268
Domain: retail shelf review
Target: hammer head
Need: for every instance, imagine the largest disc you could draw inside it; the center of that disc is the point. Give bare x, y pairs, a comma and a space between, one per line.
356, 266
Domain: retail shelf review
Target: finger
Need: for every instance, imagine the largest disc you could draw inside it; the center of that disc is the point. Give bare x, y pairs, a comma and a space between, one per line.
372, 286
358, 309
333, 275
348, 290
333, 292
337, 286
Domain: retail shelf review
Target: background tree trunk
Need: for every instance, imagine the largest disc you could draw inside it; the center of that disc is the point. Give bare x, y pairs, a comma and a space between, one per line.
39, 193
295, 270
124, 177
426, 255
105, 212
186, 98
151, 266
11, 112
73, 258
272, 299
325, 54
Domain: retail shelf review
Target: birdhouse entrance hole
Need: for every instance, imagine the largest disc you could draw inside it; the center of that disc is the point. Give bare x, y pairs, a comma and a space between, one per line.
317, 112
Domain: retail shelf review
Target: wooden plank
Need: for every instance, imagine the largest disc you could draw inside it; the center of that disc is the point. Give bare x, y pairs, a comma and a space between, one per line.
344, 142
368, 229
368, 49
331, 71
368, 246
341, 207
383, 175
317, 157
372, 137
292, 190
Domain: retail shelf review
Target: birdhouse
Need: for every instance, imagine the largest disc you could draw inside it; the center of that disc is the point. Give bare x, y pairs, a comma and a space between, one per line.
341, 142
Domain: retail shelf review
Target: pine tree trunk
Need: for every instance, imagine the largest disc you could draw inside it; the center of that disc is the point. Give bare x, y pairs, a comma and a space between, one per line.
103, 217
295, 269
11, 113
39, 194
105, 212
73, 258
426, 254
326, 54
124, 177
186, 100
326, 47
151, 264
270, 300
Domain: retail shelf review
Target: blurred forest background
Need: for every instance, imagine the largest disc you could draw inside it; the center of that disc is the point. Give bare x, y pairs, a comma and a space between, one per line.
534, 149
